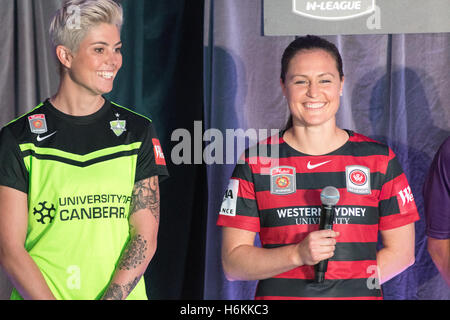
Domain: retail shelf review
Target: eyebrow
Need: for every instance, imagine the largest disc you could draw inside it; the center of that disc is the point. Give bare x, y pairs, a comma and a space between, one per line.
320, 75
104, 43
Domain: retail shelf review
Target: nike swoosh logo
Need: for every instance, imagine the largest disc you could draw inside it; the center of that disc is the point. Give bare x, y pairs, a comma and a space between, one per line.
313, 166
39, 138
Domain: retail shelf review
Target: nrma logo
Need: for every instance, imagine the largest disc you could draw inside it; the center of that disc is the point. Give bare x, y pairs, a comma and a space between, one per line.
333, 10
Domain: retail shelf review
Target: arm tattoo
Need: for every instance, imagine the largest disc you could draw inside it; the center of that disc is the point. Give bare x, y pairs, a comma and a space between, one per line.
114, 292
118, 292
134, 253
146, 196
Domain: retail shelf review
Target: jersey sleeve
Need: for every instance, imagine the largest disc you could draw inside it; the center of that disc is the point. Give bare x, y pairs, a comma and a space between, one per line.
239, 207
13, 173
397, 206
150, 160
436, 193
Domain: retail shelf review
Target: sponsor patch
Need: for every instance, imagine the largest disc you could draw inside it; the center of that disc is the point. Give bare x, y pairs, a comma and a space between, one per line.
37, 123
358, 179
282, 180
230, 199
405, 200
159, 155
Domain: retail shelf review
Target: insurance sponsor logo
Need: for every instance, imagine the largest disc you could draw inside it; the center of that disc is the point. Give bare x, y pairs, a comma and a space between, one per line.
282, 180
230, 199
333, 10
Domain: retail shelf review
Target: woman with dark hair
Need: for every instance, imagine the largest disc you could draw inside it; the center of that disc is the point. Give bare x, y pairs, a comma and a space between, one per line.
283, 203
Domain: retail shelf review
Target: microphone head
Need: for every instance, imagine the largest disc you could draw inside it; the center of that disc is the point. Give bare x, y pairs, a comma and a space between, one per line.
329, 196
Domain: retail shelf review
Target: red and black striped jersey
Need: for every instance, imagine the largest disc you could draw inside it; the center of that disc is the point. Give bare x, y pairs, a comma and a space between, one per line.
278, 195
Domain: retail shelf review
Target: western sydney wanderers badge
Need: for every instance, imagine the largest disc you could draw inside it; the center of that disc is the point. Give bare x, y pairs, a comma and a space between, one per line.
358, 179
118, 126
37, 123
282, 180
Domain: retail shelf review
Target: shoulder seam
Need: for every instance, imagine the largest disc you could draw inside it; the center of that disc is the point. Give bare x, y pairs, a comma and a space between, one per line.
132, 111
25, 114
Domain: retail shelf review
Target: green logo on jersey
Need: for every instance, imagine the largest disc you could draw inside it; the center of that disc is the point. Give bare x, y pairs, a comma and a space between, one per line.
118, 126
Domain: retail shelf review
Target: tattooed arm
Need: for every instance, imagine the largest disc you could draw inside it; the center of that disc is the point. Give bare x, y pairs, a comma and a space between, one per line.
143, 220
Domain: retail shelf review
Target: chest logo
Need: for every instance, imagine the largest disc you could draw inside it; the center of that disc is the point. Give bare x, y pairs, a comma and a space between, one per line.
313, 166
37, 123
39, 138
118, 126
282, 180
358, 179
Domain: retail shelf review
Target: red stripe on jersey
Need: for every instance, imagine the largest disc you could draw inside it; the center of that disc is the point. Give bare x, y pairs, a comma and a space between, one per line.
239, 222
392, 187
398, 220
330, 298
311, 197
246, 189
330, 163
296, 233
267, 200
336, 270
356, 232
286, 234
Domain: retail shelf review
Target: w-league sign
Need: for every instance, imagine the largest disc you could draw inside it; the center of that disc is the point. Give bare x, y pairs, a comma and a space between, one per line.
331, 17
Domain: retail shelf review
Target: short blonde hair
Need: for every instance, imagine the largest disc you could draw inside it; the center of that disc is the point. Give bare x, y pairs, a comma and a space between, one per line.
72, 22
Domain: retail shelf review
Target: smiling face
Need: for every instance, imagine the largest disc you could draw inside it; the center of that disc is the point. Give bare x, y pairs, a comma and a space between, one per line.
98, 59
312, 88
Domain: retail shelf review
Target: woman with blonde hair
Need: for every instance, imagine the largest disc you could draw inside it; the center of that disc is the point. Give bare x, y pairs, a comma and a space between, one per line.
79, 195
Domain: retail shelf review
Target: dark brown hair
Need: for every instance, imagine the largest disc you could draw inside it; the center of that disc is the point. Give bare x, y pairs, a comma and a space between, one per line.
309, 43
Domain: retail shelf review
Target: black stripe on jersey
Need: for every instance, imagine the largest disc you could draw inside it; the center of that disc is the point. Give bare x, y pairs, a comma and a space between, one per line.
362, 149
308, 288
318, 180
347, 251
245, 207
389, 206
355, 149
287, 216
394, 169
80, 163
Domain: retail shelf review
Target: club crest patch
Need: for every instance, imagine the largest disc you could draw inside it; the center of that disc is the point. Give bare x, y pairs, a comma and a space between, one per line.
282, 180
37, 123
358, 179
118, 126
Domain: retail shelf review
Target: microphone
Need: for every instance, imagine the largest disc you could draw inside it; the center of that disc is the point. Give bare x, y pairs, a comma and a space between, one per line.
329, 198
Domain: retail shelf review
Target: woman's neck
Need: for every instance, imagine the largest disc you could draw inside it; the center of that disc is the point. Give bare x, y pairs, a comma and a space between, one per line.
315, 140
75, 101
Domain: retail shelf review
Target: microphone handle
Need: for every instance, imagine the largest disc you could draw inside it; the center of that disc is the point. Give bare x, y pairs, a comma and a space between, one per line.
326, 223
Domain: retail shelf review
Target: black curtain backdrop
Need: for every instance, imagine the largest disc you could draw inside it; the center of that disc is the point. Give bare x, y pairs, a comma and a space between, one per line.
162, 78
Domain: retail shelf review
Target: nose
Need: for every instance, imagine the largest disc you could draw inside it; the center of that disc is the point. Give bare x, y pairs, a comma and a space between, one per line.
312, 90
113, 59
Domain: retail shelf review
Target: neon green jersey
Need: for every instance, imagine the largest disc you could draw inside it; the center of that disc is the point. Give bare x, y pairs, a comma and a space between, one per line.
79, 173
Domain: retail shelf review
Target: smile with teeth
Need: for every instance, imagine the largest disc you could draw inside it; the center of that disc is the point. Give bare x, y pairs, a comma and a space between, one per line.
106, 74
315, 105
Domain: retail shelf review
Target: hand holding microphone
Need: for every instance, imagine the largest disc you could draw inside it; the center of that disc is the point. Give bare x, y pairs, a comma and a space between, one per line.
318, 246
329, 197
